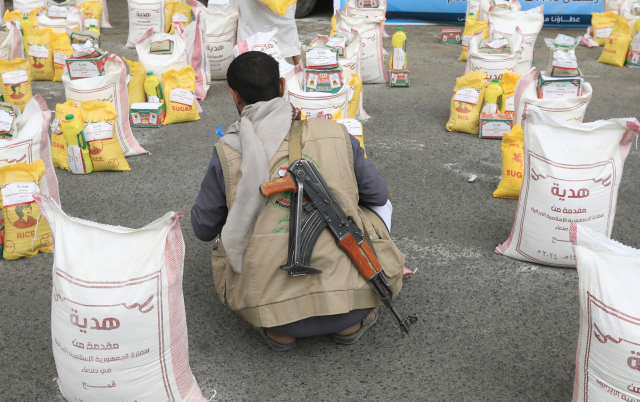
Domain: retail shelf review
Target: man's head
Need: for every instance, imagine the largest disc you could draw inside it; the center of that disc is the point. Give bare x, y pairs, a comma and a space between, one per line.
254, 77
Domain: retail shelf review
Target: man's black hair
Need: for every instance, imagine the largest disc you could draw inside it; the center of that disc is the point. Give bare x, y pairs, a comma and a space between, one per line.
255, 76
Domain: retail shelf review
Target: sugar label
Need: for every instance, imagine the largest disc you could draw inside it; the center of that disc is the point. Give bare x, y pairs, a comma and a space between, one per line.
14, 77
18, 193
467, 95
603, 33
38, 52
182, 96
98, 131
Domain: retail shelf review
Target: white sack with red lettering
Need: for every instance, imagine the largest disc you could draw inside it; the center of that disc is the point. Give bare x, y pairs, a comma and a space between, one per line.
372, 54
266, 42
502, 22
143, 16
568, 109
494, 65
197, 53
220, 37
32, 143
111, 87
608, 357
118, 325
487, 5
572, 173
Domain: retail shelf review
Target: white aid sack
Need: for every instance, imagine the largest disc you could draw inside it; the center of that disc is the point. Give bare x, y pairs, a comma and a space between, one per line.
487, 5
502, 22
266, 42
111, 87
118, 324
25, 6
144, 15
197, 54
74, 20
319, 104
494, 65
612, 5
567, 109
358, 9
572, 173
158, 63
11, 43
220, 38
104, 21
608, 359
32, 143
372, 53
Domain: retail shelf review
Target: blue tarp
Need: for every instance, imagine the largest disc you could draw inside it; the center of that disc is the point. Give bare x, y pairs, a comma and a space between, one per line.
561, 13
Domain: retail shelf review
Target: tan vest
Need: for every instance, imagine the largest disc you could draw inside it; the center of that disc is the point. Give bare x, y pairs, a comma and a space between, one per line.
267, 296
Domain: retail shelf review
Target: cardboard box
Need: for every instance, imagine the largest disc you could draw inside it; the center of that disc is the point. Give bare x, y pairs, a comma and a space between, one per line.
87, 67
633, 59
495, 125
451, 36
559, 87
147, 114
329, 81
399, 78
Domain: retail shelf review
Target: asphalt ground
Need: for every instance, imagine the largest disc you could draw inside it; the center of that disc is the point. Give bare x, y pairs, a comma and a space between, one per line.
491, 328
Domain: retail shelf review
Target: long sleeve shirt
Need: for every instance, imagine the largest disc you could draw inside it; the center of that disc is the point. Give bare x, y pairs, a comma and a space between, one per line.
210, 211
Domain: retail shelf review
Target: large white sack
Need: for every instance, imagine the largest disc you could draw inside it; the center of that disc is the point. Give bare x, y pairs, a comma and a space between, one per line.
74, 19
354, 9
255, 16
318, 104
111, 87
571, 175
104, 22
372, 53
502, 22
220, 38
266, 42
32, 143
25, 6
487, 5
612, 5
197, 53
144, 15
158, 63
608, 357
568, 109
11, 43
494, 65
118, 325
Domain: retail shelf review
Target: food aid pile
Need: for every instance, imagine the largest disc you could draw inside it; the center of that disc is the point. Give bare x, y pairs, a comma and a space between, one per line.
617, 30
562, 171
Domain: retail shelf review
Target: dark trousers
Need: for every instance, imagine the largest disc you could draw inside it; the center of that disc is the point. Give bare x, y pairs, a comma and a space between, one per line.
321, 325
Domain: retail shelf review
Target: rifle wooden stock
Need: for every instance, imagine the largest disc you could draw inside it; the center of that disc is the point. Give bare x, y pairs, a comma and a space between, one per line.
286, 183
361, 261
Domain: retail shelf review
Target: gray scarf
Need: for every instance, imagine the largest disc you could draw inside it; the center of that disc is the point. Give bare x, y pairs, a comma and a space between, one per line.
257, 136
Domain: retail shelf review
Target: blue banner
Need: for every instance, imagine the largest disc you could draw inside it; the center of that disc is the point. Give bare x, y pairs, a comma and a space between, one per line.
560, 13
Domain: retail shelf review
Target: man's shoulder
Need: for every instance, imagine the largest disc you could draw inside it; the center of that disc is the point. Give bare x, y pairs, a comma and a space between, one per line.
324, 128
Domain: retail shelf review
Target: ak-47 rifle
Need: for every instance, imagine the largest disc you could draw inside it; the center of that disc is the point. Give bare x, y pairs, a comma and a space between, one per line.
323, 211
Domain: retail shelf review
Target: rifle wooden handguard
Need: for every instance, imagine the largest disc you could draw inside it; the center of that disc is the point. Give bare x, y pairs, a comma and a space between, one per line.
286, 183
361, 261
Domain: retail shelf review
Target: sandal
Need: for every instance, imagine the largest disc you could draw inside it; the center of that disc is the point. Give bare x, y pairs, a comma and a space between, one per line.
273, 344
353, 338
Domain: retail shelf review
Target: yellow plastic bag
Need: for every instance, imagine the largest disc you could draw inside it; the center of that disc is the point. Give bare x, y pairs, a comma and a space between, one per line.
181, 14
37, 45
62, 49
135, 87
169, 6
26, 231
508, 84
180, 95
17, 89
512, 164
333, 26
356, 86
278, 6
59, 154
472, 27
92, 13
100, 132
615, 50
16, 15
602, 24
466, 103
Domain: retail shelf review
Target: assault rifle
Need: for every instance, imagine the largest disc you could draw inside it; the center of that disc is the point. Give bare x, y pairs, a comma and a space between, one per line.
323, 211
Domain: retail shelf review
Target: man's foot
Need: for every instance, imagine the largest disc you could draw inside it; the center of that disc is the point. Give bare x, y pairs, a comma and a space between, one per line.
352, 334
275, 341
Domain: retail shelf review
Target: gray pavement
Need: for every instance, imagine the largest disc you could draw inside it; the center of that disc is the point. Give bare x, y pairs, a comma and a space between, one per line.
491, 328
